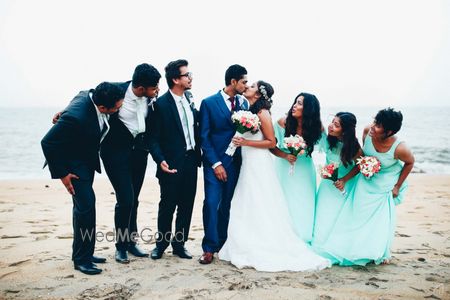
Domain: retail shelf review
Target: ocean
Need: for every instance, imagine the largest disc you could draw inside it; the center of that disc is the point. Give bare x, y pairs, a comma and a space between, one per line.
425, 130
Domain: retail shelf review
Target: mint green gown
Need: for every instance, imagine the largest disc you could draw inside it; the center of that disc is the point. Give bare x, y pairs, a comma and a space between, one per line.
330, 200
364, 229
299, 188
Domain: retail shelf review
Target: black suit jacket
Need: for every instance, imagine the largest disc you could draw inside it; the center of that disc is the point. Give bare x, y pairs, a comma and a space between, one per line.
120, 137
167, 141
72, 144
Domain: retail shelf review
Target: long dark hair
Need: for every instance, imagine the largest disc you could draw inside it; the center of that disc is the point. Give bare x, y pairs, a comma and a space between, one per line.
265, 101
350, 145
311, 124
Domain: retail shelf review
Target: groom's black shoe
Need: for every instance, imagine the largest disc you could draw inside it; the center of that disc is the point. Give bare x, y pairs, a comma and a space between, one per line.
88, 268
182, 252
98, 260
157, 253
122, 257
137, 251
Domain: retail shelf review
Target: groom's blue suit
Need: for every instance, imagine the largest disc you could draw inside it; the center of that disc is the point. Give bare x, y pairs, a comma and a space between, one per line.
216, 132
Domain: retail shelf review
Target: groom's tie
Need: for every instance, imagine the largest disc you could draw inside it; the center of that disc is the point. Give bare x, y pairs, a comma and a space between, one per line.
233, 104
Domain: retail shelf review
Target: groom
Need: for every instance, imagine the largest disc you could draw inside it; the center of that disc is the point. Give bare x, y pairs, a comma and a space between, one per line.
220, 171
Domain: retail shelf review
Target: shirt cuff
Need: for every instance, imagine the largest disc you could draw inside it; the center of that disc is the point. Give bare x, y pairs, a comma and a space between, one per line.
216, 164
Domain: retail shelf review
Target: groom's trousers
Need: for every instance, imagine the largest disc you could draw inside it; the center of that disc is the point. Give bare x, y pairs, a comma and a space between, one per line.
216, 206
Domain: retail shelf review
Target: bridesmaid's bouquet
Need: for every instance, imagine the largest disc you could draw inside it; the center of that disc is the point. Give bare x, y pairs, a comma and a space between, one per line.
330, 172
296, 145
244, 121
368, 165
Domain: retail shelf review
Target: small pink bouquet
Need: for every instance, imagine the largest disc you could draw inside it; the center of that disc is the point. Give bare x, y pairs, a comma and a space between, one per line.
244, 121
330, 172
368, 165
296, 145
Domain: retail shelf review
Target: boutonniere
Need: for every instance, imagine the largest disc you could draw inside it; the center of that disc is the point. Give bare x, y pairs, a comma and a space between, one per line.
190, 99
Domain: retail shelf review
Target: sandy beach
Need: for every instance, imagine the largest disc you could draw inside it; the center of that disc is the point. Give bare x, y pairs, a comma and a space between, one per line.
36, 237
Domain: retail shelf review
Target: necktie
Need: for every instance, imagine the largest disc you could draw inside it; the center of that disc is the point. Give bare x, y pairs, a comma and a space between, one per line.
105, 128
233, 105
186, 124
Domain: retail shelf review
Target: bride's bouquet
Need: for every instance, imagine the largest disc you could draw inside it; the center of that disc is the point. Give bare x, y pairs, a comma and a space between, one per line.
244, 121
330, 172
296, 145
368, 165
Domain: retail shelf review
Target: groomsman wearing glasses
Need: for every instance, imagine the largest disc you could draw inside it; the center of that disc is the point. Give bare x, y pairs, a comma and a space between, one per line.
71, 150
175, 148
124, 153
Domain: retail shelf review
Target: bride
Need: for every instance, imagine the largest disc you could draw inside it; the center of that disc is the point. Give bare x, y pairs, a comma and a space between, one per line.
260, 234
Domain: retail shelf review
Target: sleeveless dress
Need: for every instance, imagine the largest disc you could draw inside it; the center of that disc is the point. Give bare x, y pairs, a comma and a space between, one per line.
364, 230
299, 188
330, 200
260, 234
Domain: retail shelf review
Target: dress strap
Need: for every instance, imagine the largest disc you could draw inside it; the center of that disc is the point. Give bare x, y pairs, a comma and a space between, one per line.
394, 146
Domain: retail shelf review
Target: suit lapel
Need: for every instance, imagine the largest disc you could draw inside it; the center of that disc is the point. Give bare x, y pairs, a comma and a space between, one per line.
223, 107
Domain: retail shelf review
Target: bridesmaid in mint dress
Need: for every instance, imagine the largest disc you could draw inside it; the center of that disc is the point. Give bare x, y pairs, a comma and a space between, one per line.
364, 230
341, 147
299, 188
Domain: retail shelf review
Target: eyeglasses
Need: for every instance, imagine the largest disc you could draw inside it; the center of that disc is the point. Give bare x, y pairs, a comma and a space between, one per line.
188, 75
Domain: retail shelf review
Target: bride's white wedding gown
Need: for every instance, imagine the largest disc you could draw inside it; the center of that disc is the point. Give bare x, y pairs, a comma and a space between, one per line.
260, 234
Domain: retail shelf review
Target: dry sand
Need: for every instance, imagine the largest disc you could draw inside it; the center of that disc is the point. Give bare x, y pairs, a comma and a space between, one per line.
35, 251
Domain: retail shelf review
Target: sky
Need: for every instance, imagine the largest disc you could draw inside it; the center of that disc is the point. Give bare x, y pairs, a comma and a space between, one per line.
347, 53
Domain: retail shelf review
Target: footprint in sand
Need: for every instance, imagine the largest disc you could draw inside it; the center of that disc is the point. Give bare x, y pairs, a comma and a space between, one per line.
41, 238
17, 263
11, 237
40, 232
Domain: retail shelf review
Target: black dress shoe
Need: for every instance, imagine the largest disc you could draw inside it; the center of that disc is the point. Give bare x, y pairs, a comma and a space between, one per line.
137, 251
88, 268
98, 260
182, 253
122, 257
157, 253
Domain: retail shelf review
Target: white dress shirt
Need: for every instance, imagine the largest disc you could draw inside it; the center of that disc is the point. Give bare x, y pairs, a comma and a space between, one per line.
133, 112
188, 129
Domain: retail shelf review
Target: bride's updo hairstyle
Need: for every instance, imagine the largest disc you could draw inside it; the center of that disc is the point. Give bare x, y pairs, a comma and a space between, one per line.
264, 101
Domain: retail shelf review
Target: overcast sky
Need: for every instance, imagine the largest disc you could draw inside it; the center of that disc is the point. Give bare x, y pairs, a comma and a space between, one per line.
365, 53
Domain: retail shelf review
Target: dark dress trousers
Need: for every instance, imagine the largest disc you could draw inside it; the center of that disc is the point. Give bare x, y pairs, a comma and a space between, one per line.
168, 143
71, 146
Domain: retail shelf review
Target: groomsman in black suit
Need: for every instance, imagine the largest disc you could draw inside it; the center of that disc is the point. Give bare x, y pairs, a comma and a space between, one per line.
124, 153
175, 148
71, 150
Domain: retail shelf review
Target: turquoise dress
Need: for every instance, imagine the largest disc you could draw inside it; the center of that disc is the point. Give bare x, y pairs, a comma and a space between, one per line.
299, 188
330, 200
364, 229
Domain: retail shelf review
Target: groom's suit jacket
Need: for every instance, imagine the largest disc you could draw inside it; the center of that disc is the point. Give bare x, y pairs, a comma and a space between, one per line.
74, 140
217, 129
